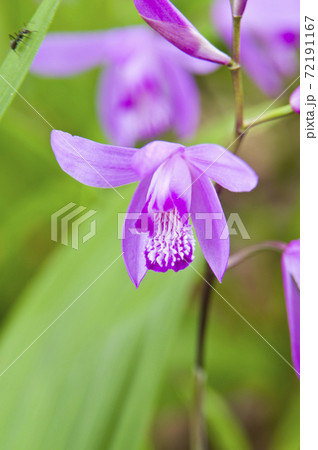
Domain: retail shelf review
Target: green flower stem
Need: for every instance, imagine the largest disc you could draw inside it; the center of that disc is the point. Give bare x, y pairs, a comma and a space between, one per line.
199, 435
236, 74
277, 113
240, 256
199, 440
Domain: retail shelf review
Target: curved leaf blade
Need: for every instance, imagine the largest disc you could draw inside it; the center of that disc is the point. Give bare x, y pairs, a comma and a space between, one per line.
16, 65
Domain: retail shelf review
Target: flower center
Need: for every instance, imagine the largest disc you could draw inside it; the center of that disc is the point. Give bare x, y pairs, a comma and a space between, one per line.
171, 244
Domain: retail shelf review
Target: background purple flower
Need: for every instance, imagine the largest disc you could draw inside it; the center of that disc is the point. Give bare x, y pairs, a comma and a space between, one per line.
174, 183
269, 39
147, 87
291, 279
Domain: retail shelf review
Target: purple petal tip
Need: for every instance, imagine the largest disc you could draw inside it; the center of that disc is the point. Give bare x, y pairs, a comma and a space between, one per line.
238, 7
167, 20
294, 100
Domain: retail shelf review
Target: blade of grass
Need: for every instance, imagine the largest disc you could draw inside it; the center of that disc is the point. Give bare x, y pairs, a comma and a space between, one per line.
97, 365
16, 65
224, 429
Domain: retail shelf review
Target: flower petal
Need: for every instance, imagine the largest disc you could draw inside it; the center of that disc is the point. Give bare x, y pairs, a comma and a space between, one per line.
290, 272
133, 243
187, 62
238, 7
269, 39
294, 100
185, 100
210, 225
285, 59
91, 163
259, 60
168, 187
291, 258
223, 167
147, 159
134, 101
121, 125
65, 54
168, 21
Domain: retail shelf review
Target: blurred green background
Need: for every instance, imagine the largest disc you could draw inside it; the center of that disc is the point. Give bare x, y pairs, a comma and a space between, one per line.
115, 371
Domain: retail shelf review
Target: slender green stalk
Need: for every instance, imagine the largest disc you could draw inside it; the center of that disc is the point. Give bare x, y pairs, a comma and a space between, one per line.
277, 113
240, 256
236, 74
199, 435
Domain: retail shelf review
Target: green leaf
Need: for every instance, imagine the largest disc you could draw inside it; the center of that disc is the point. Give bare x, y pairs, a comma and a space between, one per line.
287, 434
91, 380
17, 63
224, 429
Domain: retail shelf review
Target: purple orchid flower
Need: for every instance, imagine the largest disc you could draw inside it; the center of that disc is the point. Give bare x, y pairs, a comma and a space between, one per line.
168, 21
269, 39
174, 184
147, 87
291, 280
294, 100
